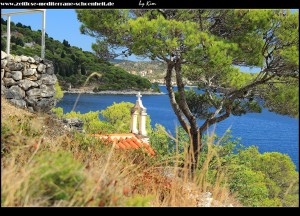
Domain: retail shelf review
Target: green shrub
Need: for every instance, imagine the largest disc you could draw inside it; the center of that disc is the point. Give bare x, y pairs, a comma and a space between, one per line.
166, 147
58, 111
267, 179
92, 123
291, 200
280, 173
139, 201
249, 185
118, 113
56, 176
89, 143
160, 141
271, 202
118, 116
58, 92
117, 119
279, 168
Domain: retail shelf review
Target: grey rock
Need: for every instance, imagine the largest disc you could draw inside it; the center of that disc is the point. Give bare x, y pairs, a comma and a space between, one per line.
35, 92
3, 63
3, 55
30, 109
26, 84
33, 66
31, 60
17, 59
24, 58
49, 67
3, 89
8, 95
16, 75
39, 82
74, 123
39, 75
40, 104
41, 68
44, 105
15, 92
50, 70
38, 59
31, 77
29, 82
43, 91
48, 79
9, 82
31, 101
14, 66
8, 74
47, 62
18, 102
47, 90
10, 57
29, 72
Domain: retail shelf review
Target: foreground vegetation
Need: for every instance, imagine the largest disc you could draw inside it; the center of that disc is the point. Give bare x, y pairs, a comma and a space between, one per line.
45, 165
267, 179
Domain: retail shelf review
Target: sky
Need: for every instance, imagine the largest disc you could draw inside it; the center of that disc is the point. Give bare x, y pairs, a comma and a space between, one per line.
62, 24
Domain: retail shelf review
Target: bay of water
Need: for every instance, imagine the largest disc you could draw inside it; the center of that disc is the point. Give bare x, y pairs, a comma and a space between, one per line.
269, 131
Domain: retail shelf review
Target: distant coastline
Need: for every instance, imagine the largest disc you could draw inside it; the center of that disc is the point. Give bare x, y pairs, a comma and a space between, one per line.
193, 86
113, 92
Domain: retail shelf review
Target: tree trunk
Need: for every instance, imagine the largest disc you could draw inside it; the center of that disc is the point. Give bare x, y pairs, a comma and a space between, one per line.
184, 114
195, 148
178, 112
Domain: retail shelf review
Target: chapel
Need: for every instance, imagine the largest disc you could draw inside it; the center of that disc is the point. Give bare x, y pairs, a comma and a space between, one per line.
137, 136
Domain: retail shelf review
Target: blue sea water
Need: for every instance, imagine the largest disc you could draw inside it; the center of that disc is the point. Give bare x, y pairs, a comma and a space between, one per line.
269, 131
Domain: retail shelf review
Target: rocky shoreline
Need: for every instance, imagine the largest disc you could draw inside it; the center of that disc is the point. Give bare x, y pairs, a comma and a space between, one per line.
114, 92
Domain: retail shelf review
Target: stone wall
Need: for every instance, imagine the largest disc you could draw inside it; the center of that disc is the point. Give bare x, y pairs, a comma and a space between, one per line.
28, 82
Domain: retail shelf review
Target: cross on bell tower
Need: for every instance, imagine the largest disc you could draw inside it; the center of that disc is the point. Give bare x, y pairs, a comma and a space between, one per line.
140, 110
139, 96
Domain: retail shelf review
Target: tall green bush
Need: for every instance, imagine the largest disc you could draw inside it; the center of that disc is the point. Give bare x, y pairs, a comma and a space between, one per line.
250, 185
268, 179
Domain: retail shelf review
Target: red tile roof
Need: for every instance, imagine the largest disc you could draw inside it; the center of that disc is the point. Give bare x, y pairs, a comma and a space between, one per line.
126, 141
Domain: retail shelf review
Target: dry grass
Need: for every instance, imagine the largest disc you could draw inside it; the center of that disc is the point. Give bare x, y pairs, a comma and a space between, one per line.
7, 109
108, 177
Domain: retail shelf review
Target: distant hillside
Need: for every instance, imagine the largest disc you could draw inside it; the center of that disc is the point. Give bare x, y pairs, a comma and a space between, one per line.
72, 65
154, 71
117, 61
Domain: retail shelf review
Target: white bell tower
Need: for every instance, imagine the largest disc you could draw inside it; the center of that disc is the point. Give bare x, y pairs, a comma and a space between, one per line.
138, 109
